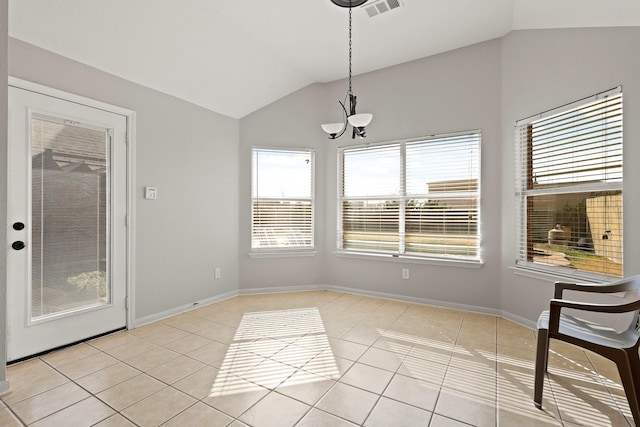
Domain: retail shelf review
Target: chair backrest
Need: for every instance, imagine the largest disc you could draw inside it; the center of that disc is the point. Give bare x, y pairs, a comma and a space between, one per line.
623, 285
630, 286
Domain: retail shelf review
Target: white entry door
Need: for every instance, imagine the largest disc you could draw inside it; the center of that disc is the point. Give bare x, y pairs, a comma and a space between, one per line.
67, 186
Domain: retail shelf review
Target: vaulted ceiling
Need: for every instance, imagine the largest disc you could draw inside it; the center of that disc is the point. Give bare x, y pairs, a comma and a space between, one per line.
236, 56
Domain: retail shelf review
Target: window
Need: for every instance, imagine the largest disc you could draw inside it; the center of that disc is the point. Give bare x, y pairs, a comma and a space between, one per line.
570, 189
282, 199
417, 198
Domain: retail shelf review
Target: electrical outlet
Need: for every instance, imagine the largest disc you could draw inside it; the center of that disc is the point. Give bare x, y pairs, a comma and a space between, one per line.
405, 273
217, 273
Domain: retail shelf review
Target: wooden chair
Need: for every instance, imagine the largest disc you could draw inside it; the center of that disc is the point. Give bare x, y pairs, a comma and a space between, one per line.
619, 347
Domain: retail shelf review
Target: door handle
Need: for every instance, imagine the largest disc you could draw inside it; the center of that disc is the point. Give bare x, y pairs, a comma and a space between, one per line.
18, 245
18, 226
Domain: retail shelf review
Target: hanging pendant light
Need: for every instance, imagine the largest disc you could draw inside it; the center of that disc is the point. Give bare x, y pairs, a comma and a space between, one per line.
357, 121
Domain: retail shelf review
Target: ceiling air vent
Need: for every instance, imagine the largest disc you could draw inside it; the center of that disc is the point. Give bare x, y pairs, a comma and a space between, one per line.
381, 6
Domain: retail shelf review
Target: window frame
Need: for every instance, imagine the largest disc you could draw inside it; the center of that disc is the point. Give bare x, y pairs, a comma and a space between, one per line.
523, 177
283, 251
401, 255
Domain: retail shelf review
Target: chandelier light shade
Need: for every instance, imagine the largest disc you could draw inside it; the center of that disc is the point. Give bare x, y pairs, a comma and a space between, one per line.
333, 129
357, 121
360, 120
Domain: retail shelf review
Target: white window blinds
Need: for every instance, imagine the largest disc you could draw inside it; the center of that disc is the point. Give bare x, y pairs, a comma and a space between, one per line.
417, 198
282, 199
570, 189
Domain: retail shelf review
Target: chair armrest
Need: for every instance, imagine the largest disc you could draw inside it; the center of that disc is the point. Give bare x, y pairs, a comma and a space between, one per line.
601, 308
557, 304
559, 287
624, 285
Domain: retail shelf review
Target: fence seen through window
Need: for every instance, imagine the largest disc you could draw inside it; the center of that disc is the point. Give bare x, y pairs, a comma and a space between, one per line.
571, 189
412, 198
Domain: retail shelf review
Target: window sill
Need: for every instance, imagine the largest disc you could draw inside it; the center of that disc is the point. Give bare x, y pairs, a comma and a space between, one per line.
463, 263
540, 274
282, 254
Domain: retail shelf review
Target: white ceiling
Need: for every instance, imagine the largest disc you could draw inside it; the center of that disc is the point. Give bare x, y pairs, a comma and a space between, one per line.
236, 56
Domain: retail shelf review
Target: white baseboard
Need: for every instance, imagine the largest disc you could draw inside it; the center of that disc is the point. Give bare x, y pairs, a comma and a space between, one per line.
282, 289
520, 320
305, 288
355, 291
182, 309
4, 387
415, 300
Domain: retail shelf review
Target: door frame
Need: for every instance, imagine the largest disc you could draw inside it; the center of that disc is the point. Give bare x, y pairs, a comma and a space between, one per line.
130, 179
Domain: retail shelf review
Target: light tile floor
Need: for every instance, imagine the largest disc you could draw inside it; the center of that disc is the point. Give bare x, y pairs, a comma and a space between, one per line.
314, 359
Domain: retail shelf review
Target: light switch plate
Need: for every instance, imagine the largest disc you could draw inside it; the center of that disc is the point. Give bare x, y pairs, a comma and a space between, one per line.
150, 193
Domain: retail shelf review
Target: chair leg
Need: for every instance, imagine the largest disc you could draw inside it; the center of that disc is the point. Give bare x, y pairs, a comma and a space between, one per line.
542, 356
629, 369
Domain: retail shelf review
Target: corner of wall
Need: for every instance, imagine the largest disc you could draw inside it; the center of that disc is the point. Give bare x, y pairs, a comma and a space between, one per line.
4, 36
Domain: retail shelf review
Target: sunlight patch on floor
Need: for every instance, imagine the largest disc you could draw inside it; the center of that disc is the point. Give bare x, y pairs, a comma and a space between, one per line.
270, 346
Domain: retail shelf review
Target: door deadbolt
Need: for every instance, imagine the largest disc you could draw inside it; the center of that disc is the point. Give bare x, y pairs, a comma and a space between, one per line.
18, 245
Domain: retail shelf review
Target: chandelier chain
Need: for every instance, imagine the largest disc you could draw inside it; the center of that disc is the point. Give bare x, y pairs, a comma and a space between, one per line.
358, 122
350, 91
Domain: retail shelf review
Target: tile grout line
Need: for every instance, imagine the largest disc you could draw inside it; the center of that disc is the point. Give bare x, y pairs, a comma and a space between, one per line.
311, 407
95, 395
370, 346
10, 409
358, 320
609, 392
338, 379
435, 405
495, 352
140, 372
398, 368
71, 380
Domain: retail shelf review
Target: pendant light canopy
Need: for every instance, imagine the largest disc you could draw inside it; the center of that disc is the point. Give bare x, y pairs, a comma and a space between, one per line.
348, 3
357, 121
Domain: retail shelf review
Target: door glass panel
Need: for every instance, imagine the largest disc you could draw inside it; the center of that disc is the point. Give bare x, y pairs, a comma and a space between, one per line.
70, 206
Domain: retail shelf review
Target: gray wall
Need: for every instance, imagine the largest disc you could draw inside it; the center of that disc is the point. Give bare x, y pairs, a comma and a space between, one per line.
487, 86
201, 162
191, 155
289, 122
546, 69
3, 190
456, 91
